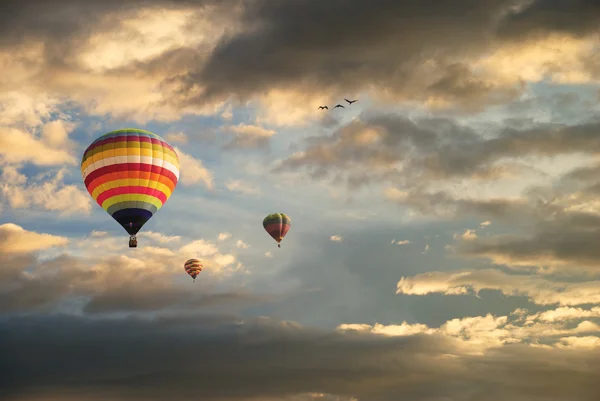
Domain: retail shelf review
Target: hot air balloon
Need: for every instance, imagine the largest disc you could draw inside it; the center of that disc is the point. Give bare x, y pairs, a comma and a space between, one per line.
277, 225
193, 267
130, 173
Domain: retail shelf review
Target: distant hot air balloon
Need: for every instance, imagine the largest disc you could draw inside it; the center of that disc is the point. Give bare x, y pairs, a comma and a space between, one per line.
130, 173
193, 267
277, 225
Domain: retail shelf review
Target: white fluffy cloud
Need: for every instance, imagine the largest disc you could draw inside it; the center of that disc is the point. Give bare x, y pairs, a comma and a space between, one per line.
241, 244
242, 187
176, 137
251, 130
18, 146
193, 170
160, 238
540, 290
102, 269
483, 332
43, 193
211, 256
224, 236
15, 239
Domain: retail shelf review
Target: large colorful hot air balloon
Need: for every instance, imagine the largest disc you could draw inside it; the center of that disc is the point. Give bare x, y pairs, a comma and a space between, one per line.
277, 225
193, 267
130, 173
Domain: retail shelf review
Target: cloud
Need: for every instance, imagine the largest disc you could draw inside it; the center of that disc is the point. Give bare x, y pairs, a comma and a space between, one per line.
294, 105
357, 62
56, 133
177, 137
539, 290
160, 238
15, 239
248, 136
95, 275
480, 333
336, 238
241, 244
242, 187
468, 235
193, 170
251, 130
168, 59
17, 146
224, 236
211, 256
227, 112
421, 153
541, 17
117, 60
564, 314
240, 356
587, 342
563, 242
44, 192
423, 135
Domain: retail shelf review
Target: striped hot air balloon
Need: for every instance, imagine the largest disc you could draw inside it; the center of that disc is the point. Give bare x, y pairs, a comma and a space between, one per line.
277, 225
193, 267
130, 173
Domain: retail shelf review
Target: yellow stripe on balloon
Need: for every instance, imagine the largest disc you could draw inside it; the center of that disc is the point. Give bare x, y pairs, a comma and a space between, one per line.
126, 182
113, 200
159, 152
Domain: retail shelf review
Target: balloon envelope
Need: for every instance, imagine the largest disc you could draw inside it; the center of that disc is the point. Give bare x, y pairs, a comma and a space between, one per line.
193, 267
130, 173
277, 225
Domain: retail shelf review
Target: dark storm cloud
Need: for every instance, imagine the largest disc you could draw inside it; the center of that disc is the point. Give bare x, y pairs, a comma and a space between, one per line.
435, 149
407, 49
283, 44
559, 234
20, 291
346, 44
55, 21
442, 204
52, 20
542, 17
156, 297
185, 359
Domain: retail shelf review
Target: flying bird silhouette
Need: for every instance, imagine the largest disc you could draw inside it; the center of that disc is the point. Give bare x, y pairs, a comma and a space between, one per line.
323, 107
339, 105
350, 101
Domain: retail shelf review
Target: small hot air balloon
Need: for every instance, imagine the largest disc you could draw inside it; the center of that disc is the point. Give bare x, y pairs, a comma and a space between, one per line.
130, 173
193, 267
277, 225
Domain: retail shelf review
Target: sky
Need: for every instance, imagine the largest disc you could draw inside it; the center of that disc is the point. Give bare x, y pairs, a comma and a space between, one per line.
445, 227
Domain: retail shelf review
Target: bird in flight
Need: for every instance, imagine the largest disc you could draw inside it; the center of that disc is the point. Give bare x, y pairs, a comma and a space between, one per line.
323, 107
350, 101
338, 105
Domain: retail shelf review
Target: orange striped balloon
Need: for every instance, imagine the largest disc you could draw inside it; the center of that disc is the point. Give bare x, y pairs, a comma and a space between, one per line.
130, 173
193, 267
